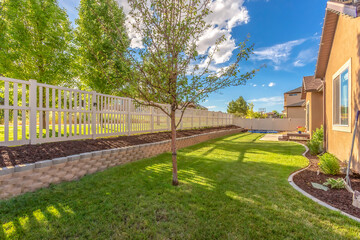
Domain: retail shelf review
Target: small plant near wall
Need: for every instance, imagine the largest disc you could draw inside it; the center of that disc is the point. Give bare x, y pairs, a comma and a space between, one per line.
335, 183
329, 164
315, 145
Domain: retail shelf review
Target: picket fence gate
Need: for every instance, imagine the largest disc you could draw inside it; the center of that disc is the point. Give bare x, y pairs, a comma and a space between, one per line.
32, 113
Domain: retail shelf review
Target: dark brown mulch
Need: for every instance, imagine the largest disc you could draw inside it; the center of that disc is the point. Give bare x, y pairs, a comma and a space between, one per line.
11, 156
338, 198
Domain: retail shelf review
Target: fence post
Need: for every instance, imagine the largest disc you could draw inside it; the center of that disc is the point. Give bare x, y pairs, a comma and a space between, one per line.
32, 105
207, 118
192, 118
93, 114
152, 119
129, 117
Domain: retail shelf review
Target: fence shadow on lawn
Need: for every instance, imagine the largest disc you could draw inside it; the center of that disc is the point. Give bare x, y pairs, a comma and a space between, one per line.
228, 192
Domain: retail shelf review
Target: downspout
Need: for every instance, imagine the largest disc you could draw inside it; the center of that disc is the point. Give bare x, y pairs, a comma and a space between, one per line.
324, 115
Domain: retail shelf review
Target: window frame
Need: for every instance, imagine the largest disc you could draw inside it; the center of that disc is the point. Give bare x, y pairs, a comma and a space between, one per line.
340, 127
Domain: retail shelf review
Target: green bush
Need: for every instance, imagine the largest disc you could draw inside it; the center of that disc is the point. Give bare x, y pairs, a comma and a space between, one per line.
329, 164
315, 145
335, 183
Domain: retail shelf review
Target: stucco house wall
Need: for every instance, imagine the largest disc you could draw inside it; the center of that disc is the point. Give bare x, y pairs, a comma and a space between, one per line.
345, 47
295, 112
291, 99
315, 100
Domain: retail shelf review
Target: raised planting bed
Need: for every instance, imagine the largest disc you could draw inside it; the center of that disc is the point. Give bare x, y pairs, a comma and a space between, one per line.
32, 176
338, 198
11, 156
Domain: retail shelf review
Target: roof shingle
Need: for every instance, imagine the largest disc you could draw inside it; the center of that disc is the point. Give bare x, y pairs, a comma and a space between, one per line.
298, 104
296, 90
311, 83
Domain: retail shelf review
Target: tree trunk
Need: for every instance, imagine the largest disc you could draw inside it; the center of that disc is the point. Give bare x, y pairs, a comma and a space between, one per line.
175, 180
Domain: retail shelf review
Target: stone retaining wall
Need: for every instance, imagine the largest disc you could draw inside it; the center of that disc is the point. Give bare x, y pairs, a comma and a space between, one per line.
30, 177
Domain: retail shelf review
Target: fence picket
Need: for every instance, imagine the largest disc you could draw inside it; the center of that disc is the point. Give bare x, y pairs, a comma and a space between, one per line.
56, 113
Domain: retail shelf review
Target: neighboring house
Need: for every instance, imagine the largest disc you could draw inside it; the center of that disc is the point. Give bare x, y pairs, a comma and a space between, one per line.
312, 93
338, 65
293, 104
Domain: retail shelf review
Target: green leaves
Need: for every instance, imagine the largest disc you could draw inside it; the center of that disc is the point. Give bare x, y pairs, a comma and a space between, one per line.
102, 42
239, 107
335, 183
36, 41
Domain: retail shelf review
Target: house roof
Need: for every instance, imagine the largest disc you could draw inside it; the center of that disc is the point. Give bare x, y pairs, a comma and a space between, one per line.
296, 90
333, 10
298, 104
311, 84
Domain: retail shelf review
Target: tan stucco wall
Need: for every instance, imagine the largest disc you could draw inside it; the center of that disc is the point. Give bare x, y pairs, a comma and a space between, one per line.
295, 112
315, 100
346, 45
291, 99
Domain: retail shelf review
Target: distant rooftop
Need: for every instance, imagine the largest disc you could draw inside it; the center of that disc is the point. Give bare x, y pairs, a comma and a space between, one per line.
298, 104
296, 90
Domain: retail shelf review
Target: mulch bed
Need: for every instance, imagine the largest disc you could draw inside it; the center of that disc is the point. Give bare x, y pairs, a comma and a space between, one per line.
338, 198
11, 156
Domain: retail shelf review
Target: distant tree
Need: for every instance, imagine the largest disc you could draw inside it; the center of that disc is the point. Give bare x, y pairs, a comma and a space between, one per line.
36, 41
98, 53
165, 69
238, 107
252, 114
276, 114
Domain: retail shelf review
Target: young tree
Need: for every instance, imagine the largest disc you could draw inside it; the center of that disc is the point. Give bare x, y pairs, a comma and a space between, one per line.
238, 107
36, 41
166, 69
97, 58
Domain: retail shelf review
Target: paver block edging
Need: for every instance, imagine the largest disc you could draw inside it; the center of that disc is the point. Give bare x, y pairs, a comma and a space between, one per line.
30, 177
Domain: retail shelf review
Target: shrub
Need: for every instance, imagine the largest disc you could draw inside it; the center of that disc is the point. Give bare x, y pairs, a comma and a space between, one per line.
315, 145
335, 183
329, 164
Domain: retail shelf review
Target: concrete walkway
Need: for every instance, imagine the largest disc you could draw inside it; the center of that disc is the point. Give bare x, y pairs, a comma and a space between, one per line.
270, 137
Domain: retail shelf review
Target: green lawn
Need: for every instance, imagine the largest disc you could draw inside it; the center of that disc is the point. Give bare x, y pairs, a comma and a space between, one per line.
122, 129
230, 188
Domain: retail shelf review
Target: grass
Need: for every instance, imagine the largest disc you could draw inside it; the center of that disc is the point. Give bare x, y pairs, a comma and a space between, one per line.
234, 187
84, 129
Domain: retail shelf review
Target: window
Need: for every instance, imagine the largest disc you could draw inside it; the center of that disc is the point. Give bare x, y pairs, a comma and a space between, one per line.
293, 94
341, 98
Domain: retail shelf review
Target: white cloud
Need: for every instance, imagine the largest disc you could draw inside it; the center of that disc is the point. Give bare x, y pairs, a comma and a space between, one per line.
271, 84
278, 53
254, 85
298, 63
226, 14
211, 107
305, 57
270, 101
263, 85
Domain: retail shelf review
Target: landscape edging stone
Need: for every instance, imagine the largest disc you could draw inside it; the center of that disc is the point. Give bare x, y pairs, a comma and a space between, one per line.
33, 176
297, 188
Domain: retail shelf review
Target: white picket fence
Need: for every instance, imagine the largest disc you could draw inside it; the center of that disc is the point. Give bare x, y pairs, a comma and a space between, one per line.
271, 124
36, 113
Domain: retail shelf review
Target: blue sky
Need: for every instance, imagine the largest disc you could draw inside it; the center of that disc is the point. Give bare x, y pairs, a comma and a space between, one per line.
286, 34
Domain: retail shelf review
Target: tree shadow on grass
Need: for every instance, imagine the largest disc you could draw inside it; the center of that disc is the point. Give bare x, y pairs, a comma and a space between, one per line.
223, 194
